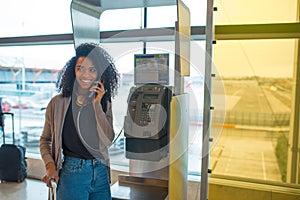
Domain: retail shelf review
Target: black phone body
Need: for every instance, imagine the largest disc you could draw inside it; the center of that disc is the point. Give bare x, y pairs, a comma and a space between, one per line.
93, 94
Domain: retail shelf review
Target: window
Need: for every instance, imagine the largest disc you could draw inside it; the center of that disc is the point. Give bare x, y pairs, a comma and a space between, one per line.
252, 89
256, 77
35, 17
255, 12
121, 19
28, 77
253, 93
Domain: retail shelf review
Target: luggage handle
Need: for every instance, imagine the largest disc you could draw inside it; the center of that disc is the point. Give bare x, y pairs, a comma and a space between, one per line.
13, 127
53, 189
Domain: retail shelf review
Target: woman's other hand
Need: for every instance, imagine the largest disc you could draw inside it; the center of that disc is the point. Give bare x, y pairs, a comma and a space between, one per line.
51, 173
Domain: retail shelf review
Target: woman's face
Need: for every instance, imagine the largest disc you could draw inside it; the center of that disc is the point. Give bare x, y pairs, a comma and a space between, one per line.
86, 73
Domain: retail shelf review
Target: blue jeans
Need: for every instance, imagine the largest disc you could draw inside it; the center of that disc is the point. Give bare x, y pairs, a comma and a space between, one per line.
81, 179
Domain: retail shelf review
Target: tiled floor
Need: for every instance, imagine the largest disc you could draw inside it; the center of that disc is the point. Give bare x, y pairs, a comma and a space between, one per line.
32, 189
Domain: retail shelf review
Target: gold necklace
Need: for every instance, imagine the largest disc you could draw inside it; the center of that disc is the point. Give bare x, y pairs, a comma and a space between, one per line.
80, 99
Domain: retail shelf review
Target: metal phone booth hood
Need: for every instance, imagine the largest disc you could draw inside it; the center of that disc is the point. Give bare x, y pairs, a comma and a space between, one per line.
169, 182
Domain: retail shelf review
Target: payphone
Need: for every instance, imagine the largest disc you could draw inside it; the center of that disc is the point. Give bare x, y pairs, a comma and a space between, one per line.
146, 125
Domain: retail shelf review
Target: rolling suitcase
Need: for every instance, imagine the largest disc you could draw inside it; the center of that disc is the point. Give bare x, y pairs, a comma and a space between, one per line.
13, 166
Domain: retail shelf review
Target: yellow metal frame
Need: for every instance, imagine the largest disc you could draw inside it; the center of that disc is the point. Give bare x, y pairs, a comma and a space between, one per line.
179, 129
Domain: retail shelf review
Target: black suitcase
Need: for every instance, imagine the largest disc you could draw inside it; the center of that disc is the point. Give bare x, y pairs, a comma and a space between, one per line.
13, 166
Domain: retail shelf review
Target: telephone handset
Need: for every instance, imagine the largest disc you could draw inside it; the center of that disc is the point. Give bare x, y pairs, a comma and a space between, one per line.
92, 94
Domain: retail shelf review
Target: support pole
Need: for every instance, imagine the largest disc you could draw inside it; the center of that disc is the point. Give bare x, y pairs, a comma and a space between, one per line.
207, 102
293, 162
145, 26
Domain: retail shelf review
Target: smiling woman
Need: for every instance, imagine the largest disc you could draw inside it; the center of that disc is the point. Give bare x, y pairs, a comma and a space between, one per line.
86, 126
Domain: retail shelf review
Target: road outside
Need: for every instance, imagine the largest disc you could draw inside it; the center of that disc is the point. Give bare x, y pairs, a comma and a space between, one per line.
246, 143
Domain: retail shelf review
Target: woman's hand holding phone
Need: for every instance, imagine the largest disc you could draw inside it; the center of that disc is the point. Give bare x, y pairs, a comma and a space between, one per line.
98, 90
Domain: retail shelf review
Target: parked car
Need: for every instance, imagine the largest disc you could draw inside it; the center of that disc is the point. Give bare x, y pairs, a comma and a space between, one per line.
23, 106
27, 104
6, 107
8, 100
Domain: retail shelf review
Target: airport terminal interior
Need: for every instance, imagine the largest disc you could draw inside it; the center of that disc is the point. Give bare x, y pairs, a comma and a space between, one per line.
208, 99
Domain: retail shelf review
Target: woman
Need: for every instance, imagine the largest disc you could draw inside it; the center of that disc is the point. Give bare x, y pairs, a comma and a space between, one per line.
78, 126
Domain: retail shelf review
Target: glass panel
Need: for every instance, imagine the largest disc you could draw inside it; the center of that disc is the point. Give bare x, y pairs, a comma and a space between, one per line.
255, 11
257, 79
193, 85
28, 76
123, 54
32, 17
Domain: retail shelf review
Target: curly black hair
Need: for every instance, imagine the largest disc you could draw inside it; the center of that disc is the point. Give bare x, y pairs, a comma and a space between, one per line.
107, 72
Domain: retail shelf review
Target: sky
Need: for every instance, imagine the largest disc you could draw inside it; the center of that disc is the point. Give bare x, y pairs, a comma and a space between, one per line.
259, 57
270, 58
40, 17
273, 58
